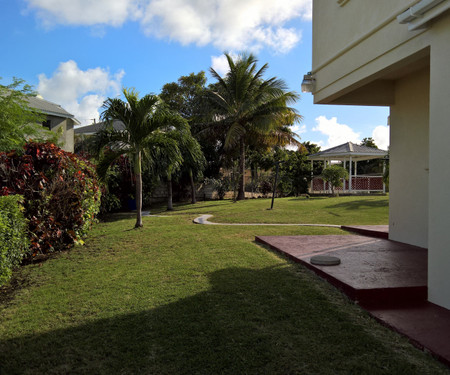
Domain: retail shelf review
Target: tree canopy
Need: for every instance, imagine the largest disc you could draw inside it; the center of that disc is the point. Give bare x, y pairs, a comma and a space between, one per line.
146, 122
246, 106
19, 122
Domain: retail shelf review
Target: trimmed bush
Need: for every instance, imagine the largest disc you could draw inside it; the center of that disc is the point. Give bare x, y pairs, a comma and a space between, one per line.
61, 194
14, 241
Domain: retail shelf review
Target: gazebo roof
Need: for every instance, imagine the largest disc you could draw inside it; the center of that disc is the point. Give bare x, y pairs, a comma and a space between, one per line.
347, 150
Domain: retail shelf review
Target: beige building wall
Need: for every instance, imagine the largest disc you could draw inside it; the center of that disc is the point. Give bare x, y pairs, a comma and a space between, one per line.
67, 126
363, 55
439, 198
408, 183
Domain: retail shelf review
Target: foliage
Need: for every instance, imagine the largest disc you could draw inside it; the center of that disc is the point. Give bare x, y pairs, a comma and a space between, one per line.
265, 186
335, 174
14, 240
60, 190
19, 122
374, 166
219, 185
184, 96
245, 106
118, 185
144, 138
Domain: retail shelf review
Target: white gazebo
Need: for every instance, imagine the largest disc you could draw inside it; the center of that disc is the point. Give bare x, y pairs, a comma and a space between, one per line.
349, 153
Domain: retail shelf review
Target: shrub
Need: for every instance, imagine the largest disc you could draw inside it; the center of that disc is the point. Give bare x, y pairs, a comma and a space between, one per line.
221, 186
61, 194
334, 174
265, 185
14, 241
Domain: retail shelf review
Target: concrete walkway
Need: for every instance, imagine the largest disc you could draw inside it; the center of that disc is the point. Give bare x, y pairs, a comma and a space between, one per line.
387, 278
204, 220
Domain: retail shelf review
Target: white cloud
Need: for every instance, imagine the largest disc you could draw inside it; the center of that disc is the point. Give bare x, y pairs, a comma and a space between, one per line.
80, 92
84, 12
337, 133
226, 24
299, 129
381, 136
220, 63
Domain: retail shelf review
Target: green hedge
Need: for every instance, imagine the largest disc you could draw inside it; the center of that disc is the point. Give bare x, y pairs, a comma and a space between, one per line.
14, 241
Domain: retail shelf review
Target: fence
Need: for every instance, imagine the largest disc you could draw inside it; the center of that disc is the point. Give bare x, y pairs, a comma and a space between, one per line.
359, 184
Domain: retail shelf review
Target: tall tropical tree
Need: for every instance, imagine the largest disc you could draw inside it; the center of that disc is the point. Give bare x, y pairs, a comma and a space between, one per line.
192, 161
247, 106
144, 137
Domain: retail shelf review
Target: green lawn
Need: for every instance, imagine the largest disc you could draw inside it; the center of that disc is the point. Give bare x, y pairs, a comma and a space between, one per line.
179, 298
318, 210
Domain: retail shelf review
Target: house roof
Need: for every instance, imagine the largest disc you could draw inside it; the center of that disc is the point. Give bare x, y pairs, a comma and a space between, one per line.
49, 108
94, 128
347, 150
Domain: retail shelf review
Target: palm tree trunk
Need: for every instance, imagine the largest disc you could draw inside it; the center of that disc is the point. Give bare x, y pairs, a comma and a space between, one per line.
191, 177
138, 174
169, 192
241, 192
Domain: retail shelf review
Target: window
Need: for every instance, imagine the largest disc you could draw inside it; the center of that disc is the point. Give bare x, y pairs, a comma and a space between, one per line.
47, 124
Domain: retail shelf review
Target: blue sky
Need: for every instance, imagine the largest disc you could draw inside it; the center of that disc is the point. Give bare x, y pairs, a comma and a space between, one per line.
79, 52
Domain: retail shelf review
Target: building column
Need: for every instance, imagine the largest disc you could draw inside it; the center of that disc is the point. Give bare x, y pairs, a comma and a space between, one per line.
439, 170
345, 167
350, 176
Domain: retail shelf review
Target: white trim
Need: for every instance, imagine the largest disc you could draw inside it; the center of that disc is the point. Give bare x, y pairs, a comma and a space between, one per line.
433, 13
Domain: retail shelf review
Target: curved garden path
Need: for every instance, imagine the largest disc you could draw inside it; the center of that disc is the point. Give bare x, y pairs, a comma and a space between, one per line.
203, 219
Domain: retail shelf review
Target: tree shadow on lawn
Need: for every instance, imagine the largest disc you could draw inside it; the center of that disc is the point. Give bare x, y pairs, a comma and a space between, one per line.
267, 321
358, 204
308, 199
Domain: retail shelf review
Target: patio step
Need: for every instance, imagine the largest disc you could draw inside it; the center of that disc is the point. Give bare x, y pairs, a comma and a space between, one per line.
378, 231
372, 271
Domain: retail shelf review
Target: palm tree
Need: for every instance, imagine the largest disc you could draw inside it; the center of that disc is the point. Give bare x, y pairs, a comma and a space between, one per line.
192, 160
144, 136
248, 106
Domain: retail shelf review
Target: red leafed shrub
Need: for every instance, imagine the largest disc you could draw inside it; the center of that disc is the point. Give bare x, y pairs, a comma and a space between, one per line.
61, 194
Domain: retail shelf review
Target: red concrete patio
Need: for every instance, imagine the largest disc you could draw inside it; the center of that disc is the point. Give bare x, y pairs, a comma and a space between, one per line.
387, 278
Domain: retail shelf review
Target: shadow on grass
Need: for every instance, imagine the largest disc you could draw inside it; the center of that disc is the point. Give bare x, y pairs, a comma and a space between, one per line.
266, 321
309, 199
358, 204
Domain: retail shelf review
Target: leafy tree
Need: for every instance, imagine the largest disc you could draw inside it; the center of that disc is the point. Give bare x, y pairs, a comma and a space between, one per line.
334, 175
246, 105
19, 122
146, 122
186, 97
369, 142
369, 166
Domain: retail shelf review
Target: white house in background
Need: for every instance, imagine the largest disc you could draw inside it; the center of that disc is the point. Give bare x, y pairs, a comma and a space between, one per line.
56, 117
396, 53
